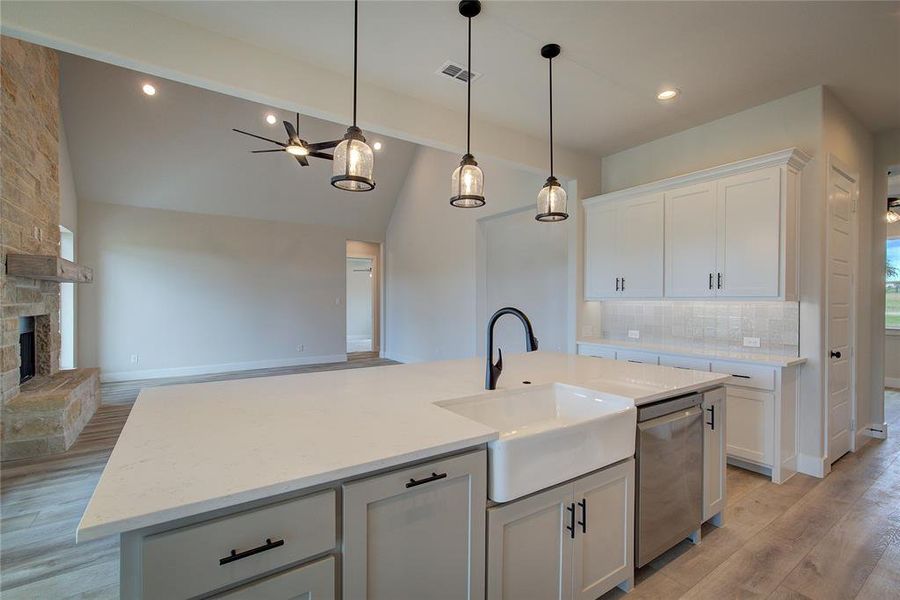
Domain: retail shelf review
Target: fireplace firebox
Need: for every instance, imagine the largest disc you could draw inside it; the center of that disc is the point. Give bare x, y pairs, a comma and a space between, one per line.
26, 349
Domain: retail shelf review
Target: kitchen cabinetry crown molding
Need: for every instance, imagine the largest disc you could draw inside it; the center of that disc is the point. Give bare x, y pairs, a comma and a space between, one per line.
791, 157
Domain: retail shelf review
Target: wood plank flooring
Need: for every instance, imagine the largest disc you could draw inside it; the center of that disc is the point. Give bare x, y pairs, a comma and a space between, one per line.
808, 539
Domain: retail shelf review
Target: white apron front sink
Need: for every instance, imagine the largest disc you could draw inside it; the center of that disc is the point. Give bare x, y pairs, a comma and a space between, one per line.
548, 434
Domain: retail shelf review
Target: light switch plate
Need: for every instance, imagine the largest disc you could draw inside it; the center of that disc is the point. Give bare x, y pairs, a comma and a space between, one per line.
634, 334
751, 342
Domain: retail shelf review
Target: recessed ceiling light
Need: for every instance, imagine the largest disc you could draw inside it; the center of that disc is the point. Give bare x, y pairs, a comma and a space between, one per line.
149, 89
667, 94
377, 145
271, 119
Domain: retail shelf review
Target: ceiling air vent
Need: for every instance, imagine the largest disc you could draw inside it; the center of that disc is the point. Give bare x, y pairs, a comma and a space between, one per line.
457, 72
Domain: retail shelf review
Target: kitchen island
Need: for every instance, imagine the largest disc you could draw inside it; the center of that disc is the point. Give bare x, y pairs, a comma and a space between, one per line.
205, 467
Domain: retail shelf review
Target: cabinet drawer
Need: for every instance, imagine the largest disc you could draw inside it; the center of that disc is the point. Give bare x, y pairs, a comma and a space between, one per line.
314, 581
684, 362
598, 351
752, 376
189, 561
636, 356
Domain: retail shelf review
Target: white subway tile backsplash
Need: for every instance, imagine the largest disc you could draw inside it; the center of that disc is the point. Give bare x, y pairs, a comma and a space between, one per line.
706, 324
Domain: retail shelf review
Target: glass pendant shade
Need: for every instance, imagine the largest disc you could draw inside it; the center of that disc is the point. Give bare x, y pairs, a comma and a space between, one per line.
551, 202
353, 164
467, 184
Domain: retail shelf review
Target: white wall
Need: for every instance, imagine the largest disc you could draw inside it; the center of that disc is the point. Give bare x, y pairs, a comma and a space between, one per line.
431, 257
792, 121
194, 293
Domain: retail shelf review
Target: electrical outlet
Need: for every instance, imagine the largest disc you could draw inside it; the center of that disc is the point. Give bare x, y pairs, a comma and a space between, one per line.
751, 342
134, 359
634, 334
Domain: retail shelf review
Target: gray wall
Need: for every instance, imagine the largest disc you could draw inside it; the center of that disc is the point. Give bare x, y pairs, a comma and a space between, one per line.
194, 293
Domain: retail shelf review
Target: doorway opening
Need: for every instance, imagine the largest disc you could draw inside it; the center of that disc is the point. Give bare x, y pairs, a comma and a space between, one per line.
363, 299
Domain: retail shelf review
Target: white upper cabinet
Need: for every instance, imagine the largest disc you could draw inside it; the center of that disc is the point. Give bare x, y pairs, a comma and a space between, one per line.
749, 233
728, 231
691, 241
624, 248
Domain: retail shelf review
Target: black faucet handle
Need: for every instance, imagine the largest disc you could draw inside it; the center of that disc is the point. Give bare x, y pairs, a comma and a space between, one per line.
499, 364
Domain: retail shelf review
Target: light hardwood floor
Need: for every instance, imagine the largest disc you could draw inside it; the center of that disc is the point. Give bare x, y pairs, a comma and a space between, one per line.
834, 538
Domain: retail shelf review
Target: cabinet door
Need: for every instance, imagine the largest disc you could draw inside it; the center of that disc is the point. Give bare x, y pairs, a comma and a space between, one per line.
530, 547
640, 246
713, 453
691, 241
314, 581
749, 233
601, 262
417, 532
604, 551
750, 424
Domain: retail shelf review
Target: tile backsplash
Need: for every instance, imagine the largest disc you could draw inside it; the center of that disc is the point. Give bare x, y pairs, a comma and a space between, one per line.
706, 324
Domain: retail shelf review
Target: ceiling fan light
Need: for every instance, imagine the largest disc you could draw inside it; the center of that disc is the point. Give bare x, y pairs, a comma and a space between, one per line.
551, 202
297, 150
467, 184
353, 164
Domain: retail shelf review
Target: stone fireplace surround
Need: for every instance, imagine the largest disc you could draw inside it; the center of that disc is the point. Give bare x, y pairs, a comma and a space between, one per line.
44, 415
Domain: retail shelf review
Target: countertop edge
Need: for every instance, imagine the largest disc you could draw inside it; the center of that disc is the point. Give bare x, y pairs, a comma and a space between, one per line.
784, 362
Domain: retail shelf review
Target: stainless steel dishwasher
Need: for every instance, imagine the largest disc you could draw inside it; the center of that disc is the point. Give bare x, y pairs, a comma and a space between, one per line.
669, 475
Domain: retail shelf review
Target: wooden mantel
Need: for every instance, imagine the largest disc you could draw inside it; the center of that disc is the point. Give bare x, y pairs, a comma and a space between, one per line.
53, 268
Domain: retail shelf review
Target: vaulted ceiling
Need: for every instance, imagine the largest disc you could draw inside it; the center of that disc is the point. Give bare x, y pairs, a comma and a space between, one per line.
724, 56
175, 150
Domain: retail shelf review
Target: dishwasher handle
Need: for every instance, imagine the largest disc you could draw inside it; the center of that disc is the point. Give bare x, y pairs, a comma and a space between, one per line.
669, 418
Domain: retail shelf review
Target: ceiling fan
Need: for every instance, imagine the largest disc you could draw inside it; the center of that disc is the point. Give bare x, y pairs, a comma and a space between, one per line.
295, 146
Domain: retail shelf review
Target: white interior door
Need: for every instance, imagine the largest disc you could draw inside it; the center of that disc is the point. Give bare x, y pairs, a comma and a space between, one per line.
526, 267
640, 226
691, 241
839, 354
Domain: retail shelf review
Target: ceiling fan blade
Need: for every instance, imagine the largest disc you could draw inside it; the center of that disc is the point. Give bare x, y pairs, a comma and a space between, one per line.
259, 137
324, 145
261, 151
292, 133
321, 155
302, 160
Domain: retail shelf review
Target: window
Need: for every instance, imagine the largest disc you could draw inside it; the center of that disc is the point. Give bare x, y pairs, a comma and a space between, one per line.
892, 285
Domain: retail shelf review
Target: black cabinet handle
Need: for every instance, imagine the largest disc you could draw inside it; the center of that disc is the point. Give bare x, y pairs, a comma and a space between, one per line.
710, 280
617, 284
719, 280
434, 477
741, 376
583, 521
571, 528
235, 555
623, 284
712, 417
835, 354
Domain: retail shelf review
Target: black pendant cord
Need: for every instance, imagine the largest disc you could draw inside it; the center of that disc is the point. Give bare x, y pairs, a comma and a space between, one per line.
355, 43
469, 94
550, 61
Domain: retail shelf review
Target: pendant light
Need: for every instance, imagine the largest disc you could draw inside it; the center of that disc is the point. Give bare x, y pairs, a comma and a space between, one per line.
551, 201
893, 206
467, 183
353, 159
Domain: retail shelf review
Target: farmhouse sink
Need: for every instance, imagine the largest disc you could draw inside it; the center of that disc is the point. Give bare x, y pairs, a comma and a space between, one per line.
548, 434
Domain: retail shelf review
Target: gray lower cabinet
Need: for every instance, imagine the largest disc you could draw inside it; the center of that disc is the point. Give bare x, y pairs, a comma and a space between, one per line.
314, 581
417, 533
571, 541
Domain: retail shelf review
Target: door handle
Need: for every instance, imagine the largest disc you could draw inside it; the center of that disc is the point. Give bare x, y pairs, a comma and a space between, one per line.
583, 521
712, 417
571, 528
835, 354
617, 284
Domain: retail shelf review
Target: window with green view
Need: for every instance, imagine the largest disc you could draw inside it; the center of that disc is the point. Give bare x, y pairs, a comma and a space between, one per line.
892, 285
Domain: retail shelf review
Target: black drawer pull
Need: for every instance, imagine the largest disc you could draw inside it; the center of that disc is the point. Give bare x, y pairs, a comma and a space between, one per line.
434, 477
583, 521
710, 281
571, 528
712, 417
235, 555
719, 280
617, 284
741, 376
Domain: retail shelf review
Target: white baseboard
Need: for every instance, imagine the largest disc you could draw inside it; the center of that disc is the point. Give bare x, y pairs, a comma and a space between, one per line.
812, 465
114, 376
892, 382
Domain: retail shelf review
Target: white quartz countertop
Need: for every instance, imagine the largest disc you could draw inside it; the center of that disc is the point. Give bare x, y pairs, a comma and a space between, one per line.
760, 358
190, 449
